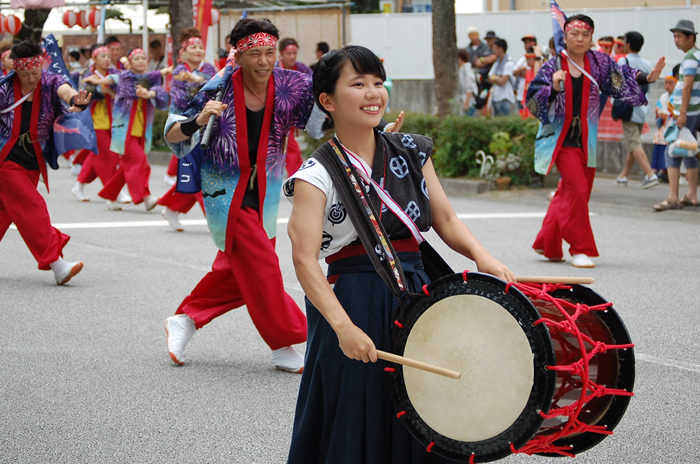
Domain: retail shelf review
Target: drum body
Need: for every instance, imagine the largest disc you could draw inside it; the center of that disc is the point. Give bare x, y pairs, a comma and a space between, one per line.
545, 369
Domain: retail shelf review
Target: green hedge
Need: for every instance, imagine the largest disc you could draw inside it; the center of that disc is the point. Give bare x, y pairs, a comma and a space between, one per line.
457, 139
159, 118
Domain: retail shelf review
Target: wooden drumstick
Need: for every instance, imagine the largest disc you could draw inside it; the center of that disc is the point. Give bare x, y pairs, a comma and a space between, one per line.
417, 365
555, 280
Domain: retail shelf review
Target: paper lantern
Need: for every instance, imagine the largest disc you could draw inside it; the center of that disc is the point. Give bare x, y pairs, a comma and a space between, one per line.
70, 19
215, 16
94, 17
2, 25
12, 24
82, 19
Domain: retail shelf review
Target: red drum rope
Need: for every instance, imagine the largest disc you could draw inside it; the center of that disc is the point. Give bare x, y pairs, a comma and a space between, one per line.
589, 389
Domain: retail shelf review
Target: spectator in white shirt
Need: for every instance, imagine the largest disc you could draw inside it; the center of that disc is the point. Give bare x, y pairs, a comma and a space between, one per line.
467, 84
521, 67
501, 75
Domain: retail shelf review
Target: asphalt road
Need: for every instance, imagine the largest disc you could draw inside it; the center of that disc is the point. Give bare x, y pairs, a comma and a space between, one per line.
85, 376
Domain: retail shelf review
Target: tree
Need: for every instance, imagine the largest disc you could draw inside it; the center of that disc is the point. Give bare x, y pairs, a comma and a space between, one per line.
180, 18
445, 55
33, 25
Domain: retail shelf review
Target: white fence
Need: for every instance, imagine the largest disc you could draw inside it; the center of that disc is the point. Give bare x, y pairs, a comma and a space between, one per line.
405, 40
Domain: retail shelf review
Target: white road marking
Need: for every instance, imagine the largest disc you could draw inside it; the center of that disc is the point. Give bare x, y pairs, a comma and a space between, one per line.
686, 366
282, 220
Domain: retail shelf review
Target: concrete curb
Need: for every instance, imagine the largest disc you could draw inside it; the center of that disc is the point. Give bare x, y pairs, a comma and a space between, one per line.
459, 187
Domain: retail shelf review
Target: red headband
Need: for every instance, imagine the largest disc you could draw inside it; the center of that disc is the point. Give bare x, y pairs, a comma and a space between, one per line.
192, 41
136, 51
5, 53
290, 46
605, 43
25, 64
260, 39
578, 24
99, 50
619, 42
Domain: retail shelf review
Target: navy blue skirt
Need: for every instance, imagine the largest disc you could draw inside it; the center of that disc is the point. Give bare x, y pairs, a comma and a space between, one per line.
344, 412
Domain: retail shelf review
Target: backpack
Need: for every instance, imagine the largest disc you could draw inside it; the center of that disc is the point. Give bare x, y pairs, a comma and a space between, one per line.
622, 111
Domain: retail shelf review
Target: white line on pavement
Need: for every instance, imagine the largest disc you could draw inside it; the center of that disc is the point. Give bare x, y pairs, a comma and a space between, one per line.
282, 220
686, 366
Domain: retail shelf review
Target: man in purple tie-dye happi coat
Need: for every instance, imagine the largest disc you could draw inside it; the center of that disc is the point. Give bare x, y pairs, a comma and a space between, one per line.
241, 180
568, 133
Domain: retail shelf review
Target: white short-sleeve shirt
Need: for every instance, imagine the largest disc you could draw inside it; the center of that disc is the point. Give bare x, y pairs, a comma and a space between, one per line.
338, 230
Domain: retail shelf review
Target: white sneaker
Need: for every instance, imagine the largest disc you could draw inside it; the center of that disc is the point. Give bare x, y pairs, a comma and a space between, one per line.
288, 359
582, 261
75, 169
648, 182
179, 330
621, 182
113, 206
682, 181
171, 216
124, 197
78, 193
64, 271
150, 202
170, 180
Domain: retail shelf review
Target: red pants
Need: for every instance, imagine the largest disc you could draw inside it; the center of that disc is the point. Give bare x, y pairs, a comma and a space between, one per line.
102, 165
567, 217
172, 166
248, 274
181, 202
21, 203
81, 156
133, 171
293, 160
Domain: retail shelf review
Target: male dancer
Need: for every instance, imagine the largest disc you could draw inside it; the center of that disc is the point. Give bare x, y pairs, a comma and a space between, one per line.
569, 140
241, 180
30, 103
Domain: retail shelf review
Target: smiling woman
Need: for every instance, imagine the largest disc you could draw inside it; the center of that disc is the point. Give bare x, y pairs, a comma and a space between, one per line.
344, 413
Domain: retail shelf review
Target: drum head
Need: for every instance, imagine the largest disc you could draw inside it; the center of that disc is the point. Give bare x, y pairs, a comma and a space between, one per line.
473, 327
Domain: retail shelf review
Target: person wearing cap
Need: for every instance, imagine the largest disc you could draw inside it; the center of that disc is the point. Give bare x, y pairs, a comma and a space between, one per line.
664, 120
522, 67
102, 164
686, 108
289, 48
481, 56
633, 127
31, 100
566, 101
241, 180
138, 94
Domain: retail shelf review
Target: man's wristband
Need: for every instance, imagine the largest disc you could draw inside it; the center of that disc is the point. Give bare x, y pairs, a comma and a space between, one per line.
642, 78
189, 126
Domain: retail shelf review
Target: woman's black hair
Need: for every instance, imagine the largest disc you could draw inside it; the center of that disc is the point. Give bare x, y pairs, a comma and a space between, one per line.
580, 17
327, 72
26, 49
246, 27
75, 54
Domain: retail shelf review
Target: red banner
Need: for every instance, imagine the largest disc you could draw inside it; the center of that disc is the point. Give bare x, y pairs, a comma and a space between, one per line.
201, 12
